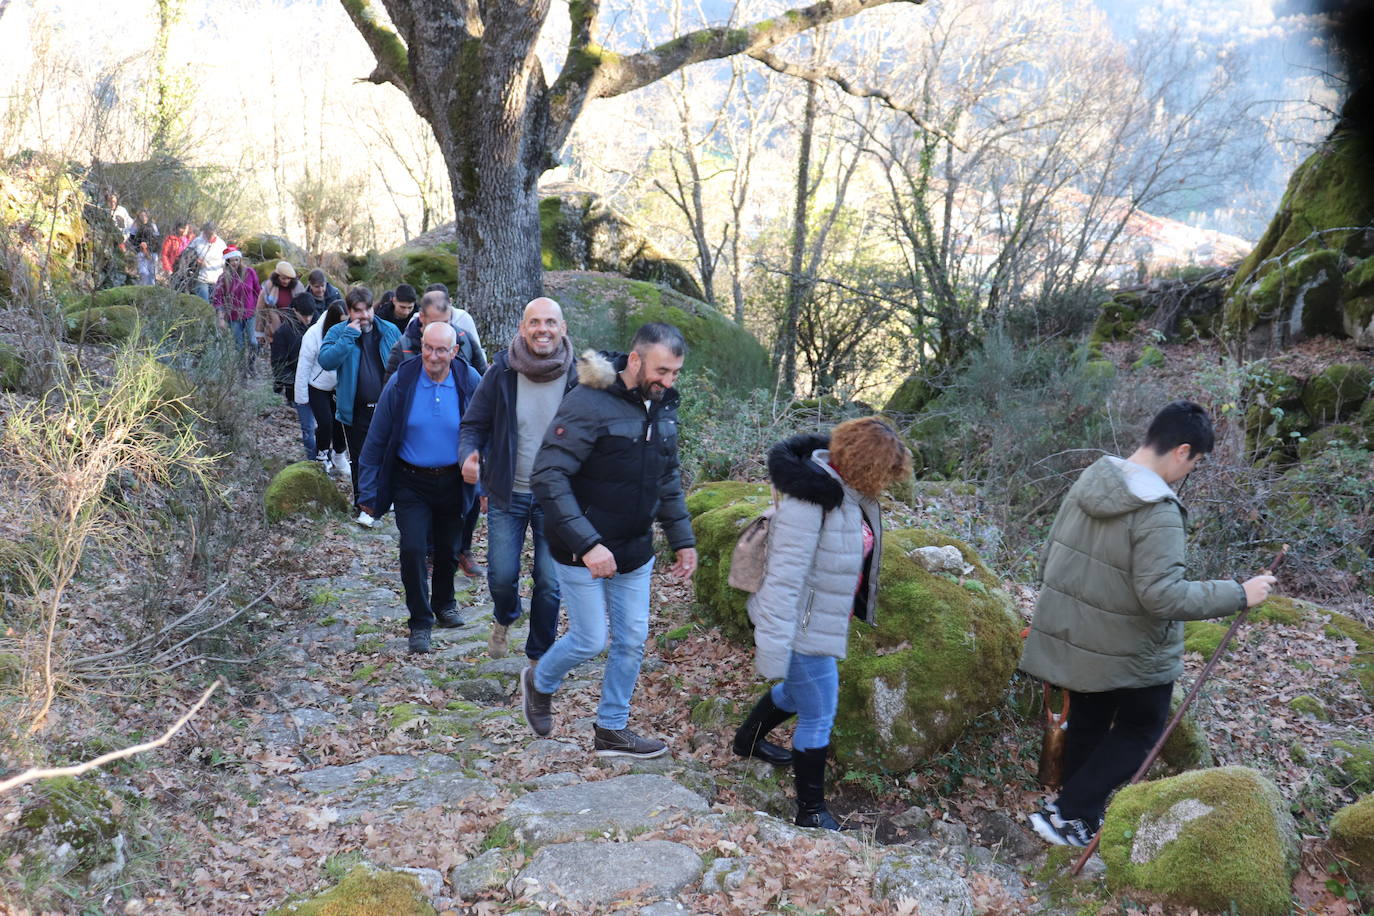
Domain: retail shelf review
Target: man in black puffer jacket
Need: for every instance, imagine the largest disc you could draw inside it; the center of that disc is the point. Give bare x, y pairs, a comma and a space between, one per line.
607, 469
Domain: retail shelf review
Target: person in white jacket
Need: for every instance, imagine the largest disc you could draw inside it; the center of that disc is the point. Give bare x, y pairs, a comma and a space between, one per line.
315, 387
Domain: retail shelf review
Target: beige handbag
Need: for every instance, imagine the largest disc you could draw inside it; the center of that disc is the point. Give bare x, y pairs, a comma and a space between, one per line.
749, 560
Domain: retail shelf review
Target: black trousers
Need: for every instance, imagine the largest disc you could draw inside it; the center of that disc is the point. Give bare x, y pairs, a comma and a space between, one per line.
1109, 735
329, 433
428, 508
356, 434
470, 526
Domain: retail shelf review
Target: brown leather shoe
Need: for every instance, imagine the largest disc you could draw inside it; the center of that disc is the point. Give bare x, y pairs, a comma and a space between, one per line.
470, 567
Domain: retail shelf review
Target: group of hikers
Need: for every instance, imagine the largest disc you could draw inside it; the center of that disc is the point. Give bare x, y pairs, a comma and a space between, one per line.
580, 457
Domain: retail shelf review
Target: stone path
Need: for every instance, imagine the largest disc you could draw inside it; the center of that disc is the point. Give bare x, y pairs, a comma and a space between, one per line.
631, 841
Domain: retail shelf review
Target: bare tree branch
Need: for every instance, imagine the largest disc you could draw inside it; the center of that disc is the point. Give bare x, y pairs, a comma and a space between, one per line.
818, 74
393, 61
36, 773
593, 72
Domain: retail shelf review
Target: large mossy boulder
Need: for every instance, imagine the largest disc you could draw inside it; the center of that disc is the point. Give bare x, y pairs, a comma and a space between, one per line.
111, 315
365, 891
107, 324
66, 828
943, 651
912, 395
603, 311
1336, 392
1291, 283
1218, 840
302, 488
581, 231
42, 230
1118, 318
273, 248
1352, 837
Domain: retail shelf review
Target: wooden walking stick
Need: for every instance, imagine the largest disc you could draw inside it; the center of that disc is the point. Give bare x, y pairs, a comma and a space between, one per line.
1182, 707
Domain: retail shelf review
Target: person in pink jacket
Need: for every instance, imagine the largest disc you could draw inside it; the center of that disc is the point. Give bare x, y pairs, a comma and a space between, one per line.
235, 298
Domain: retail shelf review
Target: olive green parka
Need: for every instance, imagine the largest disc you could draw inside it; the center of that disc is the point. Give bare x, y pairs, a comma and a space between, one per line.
1114, 594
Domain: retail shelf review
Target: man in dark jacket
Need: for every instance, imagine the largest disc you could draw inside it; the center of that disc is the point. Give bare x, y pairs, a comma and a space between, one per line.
411, 460
318, 293
502, 431
1108, 626
608, 467
399, 308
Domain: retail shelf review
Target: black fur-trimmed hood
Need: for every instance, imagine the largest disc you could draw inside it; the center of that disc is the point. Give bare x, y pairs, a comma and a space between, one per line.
794, 473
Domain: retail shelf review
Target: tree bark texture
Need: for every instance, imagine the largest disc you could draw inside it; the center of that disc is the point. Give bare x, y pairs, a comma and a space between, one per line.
469, 68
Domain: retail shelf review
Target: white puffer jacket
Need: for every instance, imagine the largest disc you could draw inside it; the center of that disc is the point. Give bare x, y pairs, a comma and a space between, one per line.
811, 584
308, 371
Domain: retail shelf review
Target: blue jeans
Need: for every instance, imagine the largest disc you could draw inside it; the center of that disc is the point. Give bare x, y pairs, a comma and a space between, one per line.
200, 288
811, 690
505, 539
244, 335
307, 418
623, 598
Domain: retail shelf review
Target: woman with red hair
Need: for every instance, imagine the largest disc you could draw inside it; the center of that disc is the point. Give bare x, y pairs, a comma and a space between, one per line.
824, 545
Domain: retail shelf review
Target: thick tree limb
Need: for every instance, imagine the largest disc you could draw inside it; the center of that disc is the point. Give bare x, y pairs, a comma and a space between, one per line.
393, 61
820, 74
592, 72
37, 773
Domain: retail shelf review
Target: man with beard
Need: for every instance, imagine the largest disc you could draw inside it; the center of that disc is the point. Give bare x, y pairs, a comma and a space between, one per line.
502, 430
356, 350
608, 467
411, 460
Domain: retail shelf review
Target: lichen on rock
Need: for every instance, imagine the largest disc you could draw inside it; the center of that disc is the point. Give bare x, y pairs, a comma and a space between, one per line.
1208, 839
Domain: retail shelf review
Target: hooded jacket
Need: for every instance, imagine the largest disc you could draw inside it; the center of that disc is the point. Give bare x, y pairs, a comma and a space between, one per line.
308, 372
340, 352
1114, 594
816, 575
608, 467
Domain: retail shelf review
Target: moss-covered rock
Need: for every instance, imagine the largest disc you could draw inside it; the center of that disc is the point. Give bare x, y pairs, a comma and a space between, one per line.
42, 226
1336, 392
1335, 435
1150, 358
942, 653
273, 248
421, 267
302, 488
67, 827
1355, 765
1210, 839
11, 367
1099, 370
365, 891
580, 231
1352, 836
111, 324
1118, 318
719, 512
912, 395
604, 312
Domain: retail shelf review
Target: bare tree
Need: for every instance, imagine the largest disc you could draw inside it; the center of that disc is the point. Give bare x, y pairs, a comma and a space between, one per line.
470, 69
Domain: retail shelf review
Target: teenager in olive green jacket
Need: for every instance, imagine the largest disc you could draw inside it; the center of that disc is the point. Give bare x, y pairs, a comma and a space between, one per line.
1109, 623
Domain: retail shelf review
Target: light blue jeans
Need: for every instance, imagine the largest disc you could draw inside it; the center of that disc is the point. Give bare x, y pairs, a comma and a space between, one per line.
307, 421
624, 599
811, 690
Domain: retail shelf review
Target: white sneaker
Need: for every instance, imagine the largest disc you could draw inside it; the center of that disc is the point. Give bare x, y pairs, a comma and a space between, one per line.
366, 520
341, 465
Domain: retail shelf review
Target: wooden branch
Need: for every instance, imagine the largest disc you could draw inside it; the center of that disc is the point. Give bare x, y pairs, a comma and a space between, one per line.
592, 72
393, 61
37, 773
819, 74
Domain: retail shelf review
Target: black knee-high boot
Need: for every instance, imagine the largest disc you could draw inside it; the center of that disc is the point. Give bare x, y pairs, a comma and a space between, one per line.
763, 718
808, 769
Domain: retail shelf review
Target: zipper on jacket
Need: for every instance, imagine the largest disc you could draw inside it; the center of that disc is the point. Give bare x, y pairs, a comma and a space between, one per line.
806, 615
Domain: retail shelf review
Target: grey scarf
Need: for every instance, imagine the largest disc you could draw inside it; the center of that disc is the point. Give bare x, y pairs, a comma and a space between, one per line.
539, 368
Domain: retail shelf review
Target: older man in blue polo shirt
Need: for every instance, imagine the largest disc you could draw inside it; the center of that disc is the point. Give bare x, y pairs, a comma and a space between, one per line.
411, 460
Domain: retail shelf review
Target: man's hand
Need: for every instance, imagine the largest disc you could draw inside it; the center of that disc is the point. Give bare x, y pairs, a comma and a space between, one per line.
356, 324
470, 469
600, 562
1257, 589
685, 564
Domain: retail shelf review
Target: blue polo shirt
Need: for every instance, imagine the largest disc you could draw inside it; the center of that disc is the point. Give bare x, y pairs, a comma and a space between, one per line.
431, 434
